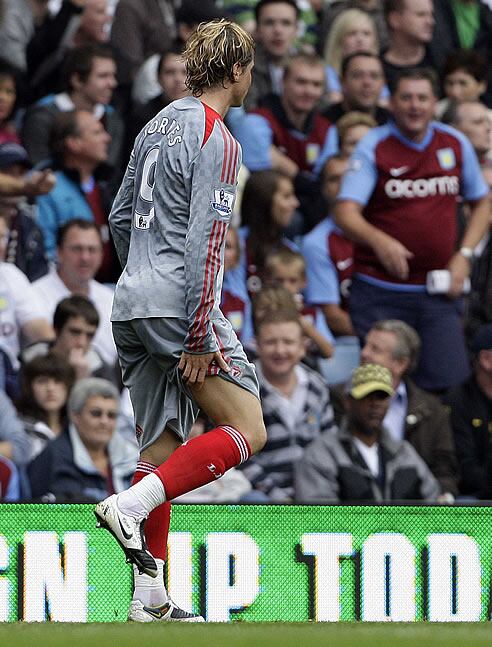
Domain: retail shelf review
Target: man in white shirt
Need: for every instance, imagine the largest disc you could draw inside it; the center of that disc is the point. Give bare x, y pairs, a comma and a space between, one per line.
79, 254
413, 414
21, 313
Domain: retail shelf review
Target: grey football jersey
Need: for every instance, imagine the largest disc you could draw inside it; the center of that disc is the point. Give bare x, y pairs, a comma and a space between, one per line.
170, 218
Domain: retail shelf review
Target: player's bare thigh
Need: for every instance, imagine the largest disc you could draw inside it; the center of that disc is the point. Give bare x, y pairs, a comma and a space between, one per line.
226, 404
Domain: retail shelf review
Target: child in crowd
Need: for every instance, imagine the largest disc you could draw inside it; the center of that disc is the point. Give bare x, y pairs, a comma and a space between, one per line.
287, 268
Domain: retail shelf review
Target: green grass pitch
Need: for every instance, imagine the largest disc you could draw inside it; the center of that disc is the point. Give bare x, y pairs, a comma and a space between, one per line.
245, 635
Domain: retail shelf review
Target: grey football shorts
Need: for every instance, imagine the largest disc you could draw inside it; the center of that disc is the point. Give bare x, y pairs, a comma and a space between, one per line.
149, 351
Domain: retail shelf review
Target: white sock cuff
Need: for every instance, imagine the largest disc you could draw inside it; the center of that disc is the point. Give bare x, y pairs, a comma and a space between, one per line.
241, 443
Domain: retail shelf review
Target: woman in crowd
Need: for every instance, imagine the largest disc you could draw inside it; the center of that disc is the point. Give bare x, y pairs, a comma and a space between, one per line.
352, 31
267, 209
45, 387
91, 459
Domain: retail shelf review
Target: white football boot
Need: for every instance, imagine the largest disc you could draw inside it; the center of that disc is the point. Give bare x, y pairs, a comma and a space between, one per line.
128, 532
167, 612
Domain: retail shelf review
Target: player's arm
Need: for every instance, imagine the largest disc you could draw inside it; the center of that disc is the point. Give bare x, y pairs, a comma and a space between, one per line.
357, 186
211, 203
120, 218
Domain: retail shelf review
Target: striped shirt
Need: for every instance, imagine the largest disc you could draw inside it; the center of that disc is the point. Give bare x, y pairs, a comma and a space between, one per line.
290, 429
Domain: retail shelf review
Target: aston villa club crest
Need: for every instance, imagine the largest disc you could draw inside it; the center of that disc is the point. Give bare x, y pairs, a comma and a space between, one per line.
446, 158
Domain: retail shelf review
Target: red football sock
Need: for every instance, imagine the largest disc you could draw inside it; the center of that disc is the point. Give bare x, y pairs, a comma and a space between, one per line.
202, 459
158, 521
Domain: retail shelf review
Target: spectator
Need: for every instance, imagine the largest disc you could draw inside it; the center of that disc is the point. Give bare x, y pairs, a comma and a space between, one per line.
276, 31
140, 28
287, 268
79, 257
413, 415
329, 268
472, 118
46, 382
362, 80
171, 76
76, 321
29, 34
94, 24
399, 174
80, 145
295, 401
287, 133
14, 442
90, 460
410, 30
88, 81
8, 100
22, 315
352, 31
362, 462
351, 128
471, 417
235, 304
372, 7
23, 241
267, 209
464, 78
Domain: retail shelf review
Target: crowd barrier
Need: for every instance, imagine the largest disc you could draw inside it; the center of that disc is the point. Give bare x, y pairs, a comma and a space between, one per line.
257, 563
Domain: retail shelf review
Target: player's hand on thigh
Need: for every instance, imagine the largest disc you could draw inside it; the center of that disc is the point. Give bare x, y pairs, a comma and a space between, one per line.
194, 367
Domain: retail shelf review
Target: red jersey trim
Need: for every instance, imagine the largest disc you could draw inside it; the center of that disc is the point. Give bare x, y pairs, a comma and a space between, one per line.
211, 116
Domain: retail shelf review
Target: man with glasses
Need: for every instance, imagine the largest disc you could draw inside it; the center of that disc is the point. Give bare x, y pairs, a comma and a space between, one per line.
79, 253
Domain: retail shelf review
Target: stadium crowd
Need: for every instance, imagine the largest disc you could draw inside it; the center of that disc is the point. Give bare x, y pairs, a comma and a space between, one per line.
358, 270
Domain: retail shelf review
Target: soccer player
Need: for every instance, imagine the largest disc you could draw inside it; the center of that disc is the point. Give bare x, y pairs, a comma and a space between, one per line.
398, 203
177, 351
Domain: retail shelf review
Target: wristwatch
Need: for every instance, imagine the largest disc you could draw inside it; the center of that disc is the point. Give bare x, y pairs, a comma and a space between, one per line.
467, 252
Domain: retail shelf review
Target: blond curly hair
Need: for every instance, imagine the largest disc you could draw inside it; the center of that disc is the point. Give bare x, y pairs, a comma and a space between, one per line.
211, 53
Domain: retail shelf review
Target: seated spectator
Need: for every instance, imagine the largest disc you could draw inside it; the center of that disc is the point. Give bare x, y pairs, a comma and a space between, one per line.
352, 31
76, 321
90, 460
94, 24
362, 80
295, 400
80, 144
14, 441
413, 415
171, 76
8, 100
267, 209
287, 133
287, 269
352, 127
472, 118
410, 34
372, 7
9, 481
46, 382
23, 317
235, 304
79, 258
463, 77
471, 418
329, 268
23, 241
363, 463
276, 32
88, 81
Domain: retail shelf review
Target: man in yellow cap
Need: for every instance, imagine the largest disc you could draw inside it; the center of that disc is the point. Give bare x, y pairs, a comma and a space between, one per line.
361, 462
